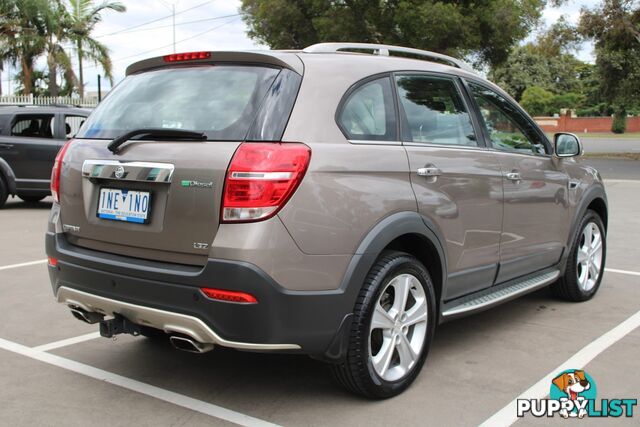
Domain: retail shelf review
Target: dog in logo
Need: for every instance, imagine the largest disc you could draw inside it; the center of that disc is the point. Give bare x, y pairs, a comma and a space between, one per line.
572, 383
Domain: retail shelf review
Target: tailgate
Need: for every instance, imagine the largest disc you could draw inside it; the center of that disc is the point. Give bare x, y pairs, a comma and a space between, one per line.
183, 179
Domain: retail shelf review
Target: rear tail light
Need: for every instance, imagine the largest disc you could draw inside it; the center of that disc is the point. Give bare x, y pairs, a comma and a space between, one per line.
187, 56
56, 172
229, 296
53, 262
261, 178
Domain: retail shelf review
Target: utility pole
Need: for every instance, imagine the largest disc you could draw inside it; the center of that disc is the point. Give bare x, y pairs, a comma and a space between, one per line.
173, 11
173, 18
99, 89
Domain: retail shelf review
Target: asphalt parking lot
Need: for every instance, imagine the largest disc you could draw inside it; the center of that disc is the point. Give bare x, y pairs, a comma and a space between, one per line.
55, 370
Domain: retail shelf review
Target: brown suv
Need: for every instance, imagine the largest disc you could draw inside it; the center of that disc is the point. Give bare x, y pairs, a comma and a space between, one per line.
328, 202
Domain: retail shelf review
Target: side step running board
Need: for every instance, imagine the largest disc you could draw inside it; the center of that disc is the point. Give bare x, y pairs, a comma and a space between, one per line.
498, 294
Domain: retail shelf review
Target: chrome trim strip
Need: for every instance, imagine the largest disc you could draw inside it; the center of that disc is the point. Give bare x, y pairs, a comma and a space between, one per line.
371, 142
165, 320
503, 294
448, 146
263, 176
133, 171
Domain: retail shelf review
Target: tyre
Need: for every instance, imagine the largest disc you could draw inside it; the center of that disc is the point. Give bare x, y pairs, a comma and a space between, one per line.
392, 329
585, 265
4, 192
31, 199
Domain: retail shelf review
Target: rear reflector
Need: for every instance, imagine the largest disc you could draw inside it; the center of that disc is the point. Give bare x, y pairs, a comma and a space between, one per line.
187, 56
53, 262
229, 296
56, 172
262, 176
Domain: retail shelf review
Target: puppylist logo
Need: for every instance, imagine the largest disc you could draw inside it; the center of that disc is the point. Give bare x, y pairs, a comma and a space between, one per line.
573, 395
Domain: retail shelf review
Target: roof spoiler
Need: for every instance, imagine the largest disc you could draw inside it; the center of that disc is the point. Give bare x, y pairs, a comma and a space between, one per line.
274, 58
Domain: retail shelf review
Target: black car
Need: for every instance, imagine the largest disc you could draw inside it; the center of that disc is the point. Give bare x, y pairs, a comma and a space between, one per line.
30, 137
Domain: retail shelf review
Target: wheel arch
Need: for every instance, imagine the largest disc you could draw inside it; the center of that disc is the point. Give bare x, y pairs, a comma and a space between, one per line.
404, 231
595, 199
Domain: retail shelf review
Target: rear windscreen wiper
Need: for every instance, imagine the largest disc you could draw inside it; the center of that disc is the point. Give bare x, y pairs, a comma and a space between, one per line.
155, 133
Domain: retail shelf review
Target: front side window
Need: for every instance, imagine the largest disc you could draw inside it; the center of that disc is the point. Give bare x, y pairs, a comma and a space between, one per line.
30, 126
507, 128
434, 110
368, 113
221, 101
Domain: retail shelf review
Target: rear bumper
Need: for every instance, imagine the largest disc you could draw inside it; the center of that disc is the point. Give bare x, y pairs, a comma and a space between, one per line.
167, 296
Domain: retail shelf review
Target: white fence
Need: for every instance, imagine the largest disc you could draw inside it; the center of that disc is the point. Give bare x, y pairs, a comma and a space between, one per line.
88, 102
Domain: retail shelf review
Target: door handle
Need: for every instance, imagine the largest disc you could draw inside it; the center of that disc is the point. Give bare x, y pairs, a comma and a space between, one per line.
6, 146
513, 176
429, 171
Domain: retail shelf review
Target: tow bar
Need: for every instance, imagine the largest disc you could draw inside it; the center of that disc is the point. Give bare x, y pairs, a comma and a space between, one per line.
118, 325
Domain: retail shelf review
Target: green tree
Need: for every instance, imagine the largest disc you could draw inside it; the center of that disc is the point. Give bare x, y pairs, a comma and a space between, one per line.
615, 28
21, 36
484, 30
57, 25
537, 101
84, 16
548, 63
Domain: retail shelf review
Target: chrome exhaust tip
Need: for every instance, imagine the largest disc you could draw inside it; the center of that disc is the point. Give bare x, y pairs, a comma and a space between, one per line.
187, 344
85, 316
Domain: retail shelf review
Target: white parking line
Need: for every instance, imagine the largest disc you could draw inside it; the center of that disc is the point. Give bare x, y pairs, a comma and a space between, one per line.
68, 341
615, 270
137, 386
507, 415
621, 181
22, 264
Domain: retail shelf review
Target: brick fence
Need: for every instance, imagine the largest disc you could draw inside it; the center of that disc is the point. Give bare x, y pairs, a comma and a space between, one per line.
566, 123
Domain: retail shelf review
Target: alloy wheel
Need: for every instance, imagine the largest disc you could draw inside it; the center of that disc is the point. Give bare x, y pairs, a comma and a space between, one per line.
398, 327
589, 256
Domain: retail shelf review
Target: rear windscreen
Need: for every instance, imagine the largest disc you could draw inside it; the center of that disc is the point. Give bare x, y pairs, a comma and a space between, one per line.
218, 100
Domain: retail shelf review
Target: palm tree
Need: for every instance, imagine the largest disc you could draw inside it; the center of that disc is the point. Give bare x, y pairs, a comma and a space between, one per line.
57, 24
21, 36
84, 17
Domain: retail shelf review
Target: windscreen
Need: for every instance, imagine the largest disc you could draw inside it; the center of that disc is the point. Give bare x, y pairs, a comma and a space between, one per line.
219, 100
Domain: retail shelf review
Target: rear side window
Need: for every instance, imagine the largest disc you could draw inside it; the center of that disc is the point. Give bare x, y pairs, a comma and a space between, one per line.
368, 113
30, 126
220, 100
72, 124
434, 110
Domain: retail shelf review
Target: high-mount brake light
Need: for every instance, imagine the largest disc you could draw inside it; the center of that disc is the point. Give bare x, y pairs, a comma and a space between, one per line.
56, 172
187, 56
261, 178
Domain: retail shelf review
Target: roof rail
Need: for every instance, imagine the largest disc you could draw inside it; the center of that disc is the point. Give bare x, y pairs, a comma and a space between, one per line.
386, 50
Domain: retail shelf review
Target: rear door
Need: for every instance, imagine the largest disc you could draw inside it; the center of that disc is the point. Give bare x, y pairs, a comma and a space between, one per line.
175, 186
30, 149
535, 187
457, 182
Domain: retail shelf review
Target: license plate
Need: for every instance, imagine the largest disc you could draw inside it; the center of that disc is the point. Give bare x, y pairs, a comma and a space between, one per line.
124, 205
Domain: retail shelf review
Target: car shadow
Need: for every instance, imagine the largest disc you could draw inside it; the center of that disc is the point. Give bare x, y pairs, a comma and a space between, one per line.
17, 204
224, 374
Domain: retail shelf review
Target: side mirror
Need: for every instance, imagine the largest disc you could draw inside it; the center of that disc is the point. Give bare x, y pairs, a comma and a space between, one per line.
567, 145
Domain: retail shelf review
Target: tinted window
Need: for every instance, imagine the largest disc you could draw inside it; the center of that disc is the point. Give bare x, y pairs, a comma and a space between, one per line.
30, 126
434, 111
221, 101
369, 113
507, 127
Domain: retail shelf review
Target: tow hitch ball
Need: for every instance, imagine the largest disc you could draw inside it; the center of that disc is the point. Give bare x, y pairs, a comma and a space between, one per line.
118, 325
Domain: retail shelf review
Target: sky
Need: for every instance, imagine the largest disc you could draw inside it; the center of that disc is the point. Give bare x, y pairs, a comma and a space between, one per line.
203, 25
